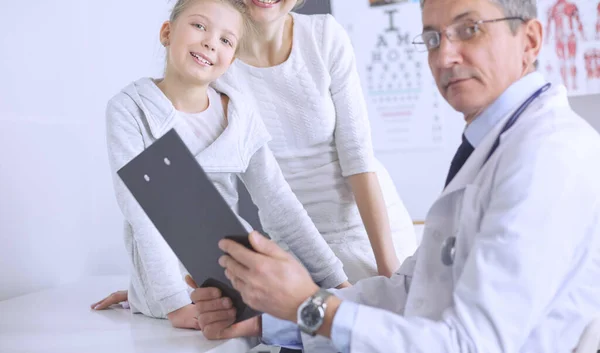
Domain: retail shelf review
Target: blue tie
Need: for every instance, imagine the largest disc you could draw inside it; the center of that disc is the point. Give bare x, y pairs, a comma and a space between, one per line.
462, 154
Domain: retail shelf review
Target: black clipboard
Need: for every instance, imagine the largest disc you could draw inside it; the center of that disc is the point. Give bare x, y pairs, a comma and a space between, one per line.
188, 211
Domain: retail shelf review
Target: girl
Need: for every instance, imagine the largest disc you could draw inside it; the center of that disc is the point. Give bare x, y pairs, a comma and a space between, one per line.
202, 38
301, 72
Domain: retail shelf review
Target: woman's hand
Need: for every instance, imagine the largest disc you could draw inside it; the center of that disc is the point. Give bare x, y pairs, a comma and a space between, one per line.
344, 285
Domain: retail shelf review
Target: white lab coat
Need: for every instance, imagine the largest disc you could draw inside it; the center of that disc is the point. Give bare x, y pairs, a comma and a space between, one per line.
526, 274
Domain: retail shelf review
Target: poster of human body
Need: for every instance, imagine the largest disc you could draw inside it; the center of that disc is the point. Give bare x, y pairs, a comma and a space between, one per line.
571, 50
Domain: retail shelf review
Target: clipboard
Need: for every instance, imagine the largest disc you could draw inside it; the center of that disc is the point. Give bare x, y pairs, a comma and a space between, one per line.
188, 211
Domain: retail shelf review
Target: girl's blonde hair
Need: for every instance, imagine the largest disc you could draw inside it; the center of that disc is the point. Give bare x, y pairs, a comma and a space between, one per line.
238, 5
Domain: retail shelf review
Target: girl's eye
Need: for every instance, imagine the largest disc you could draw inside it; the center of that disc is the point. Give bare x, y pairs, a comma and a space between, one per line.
226, 41
199, 26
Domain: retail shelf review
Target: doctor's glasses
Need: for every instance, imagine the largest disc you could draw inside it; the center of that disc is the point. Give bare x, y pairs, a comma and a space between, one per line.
460, 31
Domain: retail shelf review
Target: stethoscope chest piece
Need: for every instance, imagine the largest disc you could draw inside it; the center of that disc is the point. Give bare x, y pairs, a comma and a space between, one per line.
448, 251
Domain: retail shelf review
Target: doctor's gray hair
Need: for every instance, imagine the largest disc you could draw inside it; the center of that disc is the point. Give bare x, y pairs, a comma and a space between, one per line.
525, 9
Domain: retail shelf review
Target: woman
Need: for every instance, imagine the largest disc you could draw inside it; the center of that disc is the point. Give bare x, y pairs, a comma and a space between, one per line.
301, 72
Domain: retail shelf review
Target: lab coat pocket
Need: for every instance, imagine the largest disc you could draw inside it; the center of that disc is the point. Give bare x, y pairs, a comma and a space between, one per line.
467, 225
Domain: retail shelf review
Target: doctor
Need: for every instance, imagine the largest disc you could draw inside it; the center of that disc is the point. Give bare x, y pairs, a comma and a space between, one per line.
510, 257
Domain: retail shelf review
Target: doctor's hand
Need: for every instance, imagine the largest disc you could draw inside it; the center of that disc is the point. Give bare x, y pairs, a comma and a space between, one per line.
269, 279
216, 315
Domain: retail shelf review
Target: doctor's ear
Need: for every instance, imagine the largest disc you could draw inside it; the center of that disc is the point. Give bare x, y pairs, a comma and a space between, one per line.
165, 34
533, 42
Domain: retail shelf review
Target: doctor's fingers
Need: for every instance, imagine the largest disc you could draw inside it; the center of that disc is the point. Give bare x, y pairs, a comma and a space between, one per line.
207, 306
234, 268
190, 282
240, 253
221, 319
216, 331
237, 283
205, 294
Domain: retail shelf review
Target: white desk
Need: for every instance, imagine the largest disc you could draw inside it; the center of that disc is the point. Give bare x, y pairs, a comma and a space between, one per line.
60, 320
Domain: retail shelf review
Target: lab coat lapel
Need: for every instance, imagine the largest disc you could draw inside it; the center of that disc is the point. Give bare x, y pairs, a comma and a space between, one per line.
473, 165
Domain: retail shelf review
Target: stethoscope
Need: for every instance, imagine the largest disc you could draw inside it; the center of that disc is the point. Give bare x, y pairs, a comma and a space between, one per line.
448, 247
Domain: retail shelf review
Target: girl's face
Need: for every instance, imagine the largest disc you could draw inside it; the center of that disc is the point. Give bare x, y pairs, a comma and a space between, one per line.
202, 41
265, 11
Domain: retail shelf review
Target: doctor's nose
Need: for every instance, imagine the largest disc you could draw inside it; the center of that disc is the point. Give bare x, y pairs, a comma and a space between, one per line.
447, 54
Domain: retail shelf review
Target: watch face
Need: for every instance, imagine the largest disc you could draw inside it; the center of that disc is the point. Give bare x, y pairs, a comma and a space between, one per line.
311, 315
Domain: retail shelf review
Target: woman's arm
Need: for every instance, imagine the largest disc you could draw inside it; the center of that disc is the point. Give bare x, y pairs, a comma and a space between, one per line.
373, 212
284, 218
354, 145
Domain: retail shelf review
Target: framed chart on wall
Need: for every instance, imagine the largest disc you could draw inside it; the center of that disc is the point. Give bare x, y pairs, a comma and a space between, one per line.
415, 132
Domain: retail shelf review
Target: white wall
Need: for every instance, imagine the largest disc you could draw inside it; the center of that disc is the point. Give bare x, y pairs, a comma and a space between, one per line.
588, 107
61, 61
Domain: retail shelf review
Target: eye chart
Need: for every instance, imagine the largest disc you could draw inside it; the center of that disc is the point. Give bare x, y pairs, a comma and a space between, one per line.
404, 104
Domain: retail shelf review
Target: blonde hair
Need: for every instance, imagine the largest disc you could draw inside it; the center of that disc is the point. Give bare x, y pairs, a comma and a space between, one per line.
238, 5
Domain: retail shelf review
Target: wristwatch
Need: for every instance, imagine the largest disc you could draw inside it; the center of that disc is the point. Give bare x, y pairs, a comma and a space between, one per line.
311, 313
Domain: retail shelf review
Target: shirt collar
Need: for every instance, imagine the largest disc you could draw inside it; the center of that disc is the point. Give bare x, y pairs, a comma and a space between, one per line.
518, 92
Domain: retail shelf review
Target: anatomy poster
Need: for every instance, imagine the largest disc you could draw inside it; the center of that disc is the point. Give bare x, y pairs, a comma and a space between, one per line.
405, 107
571, 50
